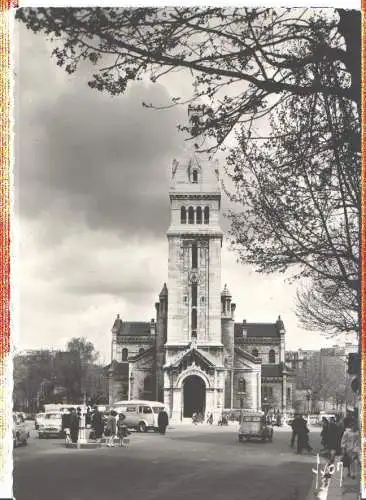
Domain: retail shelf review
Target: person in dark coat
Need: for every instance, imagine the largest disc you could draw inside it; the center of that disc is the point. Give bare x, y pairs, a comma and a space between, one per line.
302, 432
74, 426
294, 430
163, 421
332, 438
98, 424
88, 416
324, 432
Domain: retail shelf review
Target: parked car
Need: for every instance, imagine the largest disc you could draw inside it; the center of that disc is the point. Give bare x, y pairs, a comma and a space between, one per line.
140, 415
51, 425
20, 431
38, 419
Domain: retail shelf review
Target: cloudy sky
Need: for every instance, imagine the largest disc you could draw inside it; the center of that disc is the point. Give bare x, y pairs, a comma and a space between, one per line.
91, 209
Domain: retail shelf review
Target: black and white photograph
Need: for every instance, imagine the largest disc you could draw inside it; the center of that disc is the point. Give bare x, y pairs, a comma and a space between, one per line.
187, 205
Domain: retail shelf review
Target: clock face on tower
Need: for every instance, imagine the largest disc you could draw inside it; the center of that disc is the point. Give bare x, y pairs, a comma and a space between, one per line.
194, 277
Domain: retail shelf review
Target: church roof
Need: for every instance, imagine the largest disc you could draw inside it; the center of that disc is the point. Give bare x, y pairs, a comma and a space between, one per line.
273, 370
118, 368
134, 328
245, 354
117, 324
164, 291
225, 292
256, 330
141, 355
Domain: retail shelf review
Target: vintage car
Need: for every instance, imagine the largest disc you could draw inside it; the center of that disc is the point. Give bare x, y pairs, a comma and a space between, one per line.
140, 414
255, 425
20, 431
51, 425
38, 419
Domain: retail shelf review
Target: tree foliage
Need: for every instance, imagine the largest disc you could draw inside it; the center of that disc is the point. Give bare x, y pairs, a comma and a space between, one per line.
298, 188
299, 196
83, 348
327, 307
242, 61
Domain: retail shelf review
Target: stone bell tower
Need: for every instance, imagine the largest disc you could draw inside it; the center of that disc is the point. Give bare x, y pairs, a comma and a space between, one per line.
194, 272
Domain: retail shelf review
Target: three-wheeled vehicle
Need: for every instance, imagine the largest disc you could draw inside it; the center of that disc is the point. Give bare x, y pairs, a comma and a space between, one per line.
255, 425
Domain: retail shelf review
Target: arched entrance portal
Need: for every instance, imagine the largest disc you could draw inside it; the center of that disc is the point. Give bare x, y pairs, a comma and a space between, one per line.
194, 396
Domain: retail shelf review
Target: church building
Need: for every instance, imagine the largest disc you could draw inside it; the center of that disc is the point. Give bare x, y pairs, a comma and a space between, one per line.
193, 356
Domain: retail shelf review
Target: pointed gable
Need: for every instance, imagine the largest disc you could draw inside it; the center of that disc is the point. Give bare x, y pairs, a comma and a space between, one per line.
192, 356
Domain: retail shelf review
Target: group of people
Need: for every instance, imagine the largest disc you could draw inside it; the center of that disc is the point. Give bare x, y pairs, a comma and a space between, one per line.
197, 418
300, 432
342, 438
112, 426
71, 424
116, 428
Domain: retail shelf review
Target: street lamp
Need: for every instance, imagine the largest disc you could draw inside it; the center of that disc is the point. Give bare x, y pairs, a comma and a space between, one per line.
308, 397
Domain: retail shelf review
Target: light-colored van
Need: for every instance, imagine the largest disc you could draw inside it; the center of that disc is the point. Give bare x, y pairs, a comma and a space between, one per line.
140, 415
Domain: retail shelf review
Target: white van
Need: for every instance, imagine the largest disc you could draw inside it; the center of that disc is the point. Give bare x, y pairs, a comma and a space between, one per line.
140, 415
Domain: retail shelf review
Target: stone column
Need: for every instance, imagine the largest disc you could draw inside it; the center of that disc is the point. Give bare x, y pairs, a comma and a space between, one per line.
231, 388
82, 431
210, 397
259, 392
215, 385
176, 410
284, 393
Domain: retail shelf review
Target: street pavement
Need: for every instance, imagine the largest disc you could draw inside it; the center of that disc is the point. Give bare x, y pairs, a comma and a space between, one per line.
189, 462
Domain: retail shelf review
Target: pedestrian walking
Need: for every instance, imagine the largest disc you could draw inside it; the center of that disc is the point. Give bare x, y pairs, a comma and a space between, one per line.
97, 424
122, 431
66, 427
74, 425
302, 433
111, 429
323, 434
163, 421
210, 418
294, 430
350, 449
332, 438
278, 420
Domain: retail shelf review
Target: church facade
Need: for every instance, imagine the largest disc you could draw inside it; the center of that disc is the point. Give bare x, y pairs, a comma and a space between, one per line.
193, 356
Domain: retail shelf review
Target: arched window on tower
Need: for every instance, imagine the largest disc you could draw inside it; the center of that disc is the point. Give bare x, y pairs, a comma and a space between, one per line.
271, 356
207, 215
194, 295
183, 215
194, 320
195, 176
191, 215
194, 255
199, 215
241, 385
255, 352
124, 354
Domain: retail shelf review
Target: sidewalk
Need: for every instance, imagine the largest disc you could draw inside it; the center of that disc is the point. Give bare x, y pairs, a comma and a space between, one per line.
339, 486
350, 489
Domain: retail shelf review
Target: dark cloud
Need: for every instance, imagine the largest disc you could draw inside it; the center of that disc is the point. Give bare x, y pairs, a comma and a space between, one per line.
103, 158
